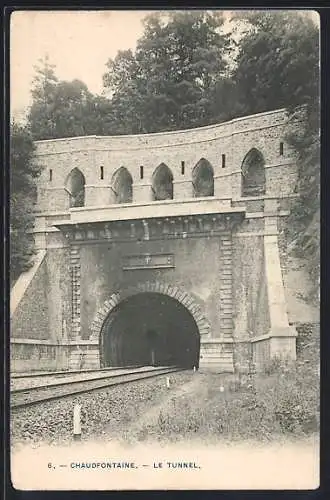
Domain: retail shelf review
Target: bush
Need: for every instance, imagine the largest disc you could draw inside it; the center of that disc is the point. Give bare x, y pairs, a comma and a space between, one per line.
278, 364
295, 403
282, 403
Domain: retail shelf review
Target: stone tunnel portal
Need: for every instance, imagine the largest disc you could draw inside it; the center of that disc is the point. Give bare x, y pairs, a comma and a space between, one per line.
150, 329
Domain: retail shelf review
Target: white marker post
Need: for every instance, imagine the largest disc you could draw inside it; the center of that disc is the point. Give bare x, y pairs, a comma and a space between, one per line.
76, 423
168, 382
194, 369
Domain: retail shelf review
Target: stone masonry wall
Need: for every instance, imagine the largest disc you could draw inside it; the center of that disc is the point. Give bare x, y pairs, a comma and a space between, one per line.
251, 303
59, 293
31, 318
233, 139
251, 308
44, 313
26, 357
202, 269
224, 274
297, 283
281, 179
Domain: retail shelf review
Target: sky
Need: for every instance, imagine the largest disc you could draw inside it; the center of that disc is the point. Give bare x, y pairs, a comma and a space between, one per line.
79, 43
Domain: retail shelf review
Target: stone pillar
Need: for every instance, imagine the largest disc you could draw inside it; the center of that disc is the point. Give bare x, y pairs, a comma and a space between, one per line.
75, 280
93, 357
97, 195
182, 189
142, 193
222, 185
236, 183
39, 233
84, 355
216, 350
226, 278
282, 335
216, 357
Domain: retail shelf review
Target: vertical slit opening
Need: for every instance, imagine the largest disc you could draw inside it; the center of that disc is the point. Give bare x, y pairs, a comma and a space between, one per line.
223, 161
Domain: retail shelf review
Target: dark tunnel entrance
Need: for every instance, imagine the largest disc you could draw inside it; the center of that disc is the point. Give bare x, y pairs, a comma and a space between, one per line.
150, 329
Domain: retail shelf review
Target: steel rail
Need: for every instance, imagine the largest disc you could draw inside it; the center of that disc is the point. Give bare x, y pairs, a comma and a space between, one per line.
112, 381
62, 383
69, 372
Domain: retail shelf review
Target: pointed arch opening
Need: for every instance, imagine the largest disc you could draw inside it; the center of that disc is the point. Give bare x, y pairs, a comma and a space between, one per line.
75, 187
122, 186
253, 174
203, 179
162, 183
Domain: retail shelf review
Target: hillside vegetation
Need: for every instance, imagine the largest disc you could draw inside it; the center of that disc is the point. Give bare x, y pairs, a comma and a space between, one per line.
187, 71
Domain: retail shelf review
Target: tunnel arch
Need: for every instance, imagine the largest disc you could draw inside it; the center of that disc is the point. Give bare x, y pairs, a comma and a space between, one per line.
184, 298
162, 183
75, 187
149, 328
253, 173
122, 186
203, 178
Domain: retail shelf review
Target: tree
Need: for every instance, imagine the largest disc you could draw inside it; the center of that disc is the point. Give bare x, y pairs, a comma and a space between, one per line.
66, 109
43, 93
277, 64
102, 120
303, 228
23, 172
169, 82
74, 110
278, 67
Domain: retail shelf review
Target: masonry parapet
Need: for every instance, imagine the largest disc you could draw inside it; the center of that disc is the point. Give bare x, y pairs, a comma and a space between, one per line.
213, 161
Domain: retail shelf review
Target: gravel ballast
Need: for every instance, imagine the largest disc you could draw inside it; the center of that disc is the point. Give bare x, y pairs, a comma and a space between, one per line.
109, 411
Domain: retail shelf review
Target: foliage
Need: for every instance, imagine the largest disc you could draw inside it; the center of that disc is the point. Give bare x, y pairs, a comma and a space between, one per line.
184, 74
188, 71
283, 404
170, 80
277, 63
66, 109
308, 344
303, 227
43, 94
276, 365
23, 172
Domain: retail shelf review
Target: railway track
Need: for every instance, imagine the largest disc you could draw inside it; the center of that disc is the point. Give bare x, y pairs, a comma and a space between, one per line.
25, 397
48, 378
65, 373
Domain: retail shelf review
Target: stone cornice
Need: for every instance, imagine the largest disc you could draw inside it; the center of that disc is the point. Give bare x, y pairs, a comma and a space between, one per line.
156, 228
150, 210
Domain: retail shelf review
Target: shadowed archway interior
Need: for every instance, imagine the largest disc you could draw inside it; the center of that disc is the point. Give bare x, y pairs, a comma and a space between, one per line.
253, 174
203, 178
121, 184
75, 187
150, 329
162, 183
